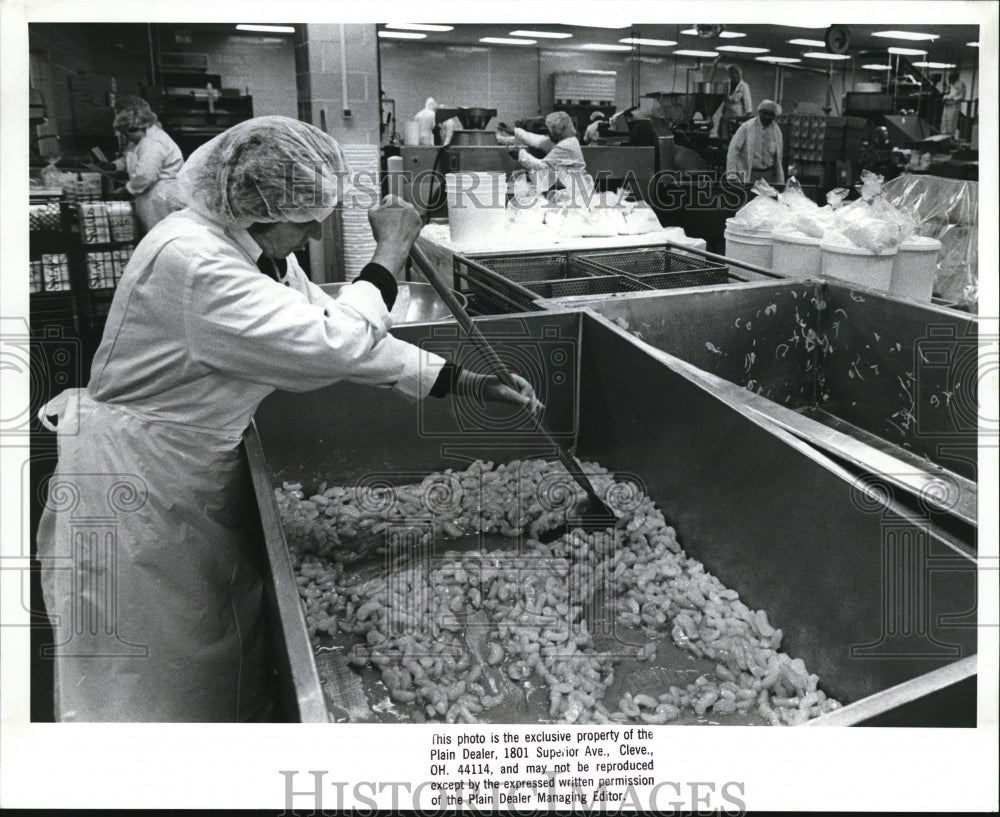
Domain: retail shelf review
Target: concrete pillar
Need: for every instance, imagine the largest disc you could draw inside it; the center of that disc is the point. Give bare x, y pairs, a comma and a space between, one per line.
321, 53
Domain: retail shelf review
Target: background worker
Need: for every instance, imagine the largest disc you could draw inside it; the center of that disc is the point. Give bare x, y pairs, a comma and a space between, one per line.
756, 150
563, 164
152, 161
952, 105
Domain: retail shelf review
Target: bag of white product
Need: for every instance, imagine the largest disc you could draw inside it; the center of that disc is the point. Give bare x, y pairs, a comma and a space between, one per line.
762, 212
640, 218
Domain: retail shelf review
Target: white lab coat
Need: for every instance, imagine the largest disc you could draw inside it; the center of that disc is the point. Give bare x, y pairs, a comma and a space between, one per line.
146, 543
153, 165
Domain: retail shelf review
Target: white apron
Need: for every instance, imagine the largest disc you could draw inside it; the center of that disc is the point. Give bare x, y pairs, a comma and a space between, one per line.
148, 569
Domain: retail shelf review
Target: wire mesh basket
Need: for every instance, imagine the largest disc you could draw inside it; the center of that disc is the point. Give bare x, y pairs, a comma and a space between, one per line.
545, 275
657, 268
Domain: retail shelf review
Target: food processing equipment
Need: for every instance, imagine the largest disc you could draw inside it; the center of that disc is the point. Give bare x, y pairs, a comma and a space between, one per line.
808, 536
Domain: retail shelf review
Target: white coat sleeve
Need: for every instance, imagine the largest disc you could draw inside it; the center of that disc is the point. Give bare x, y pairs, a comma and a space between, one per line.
533, 140
241, 322
150, 157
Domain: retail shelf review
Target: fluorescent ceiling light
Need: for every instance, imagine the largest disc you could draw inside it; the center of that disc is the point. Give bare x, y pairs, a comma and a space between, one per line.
873, 67
905, 35
506, 41
780, 60
604, 47
742, 49
419, 27
401, 35
823, 55
934, 64
266, 29
974, 45
731, 35
603, 25
799, 41
596, 71
690, 31
542, 35
644, 41
910, 52
685, 52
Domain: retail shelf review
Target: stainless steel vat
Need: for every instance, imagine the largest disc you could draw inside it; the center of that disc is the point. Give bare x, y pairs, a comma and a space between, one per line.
797, 533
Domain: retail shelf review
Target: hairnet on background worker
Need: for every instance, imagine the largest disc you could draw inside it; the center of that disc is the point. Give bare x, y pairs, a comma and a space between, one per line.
211, 315
151, 160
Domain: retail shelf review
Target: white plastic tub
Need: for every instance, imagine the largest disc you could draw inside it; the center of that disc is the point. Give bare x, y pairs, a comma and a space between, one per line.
476, 207
749, 246
857, 265
797, 255
914, 269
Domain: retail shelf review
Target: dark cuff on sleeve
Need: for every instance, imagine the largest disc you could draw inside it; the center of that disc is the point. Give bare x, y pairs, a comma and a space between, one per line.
446, 380
381, 277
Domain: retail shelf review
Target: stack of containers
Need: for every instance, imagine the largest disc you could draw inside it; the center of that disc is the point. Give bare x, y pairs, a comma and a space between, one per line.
359, 242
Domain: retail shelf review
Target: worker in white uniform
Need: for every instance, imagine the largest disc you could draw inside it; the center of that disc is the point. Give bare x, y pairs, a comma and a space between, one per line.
563, 164
952, 105
146, 541
737, 105
757, 148
152, 161
591, 134
426, 120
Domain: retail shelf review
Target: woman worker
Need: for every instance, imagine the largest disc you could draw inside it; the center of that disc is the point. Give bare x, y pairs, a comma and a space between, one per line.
163, 622
563, 163
152, 161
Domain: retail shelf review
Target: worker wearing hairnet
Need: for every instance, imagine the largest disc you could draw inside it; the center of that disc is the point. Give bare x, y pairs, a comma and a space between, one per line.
152, 161
146, 541
563, 163
756, 150
591, 134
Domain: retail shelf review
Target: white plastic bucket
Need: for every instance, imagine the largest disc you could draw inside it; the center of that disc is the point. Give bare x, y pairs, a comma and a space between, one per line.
797, 256
857, 265
477, 203
748, 245
914, 269
411, 133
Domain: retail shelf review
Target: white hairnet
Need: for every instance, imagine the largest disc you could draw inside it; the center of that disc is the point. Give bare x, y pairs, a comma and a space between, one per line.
268, 169
560, 124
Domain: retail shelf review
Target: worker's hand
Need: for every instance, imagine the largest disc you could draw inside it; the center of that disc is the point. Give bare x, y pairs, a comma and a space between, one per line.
503, 127
489, 387
395, 225
523, 156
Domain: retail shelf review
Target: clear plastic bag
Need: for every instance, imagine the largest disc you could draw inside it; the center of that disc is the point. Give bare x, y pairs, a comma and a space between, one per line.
948, 210
763, 212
